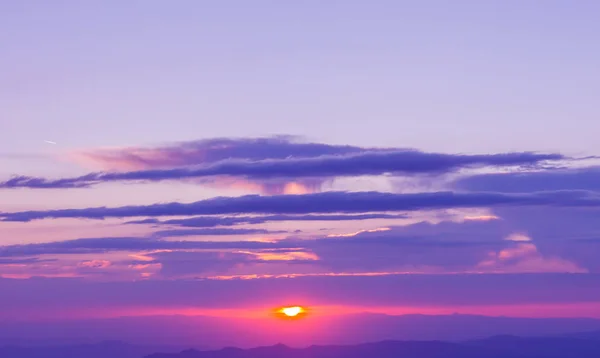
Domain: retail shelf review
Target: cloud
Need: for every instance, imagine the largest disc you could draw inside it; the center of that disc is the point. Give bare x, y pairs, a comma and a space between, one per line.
268, 186
525, 257
471, 246
23, 261
379, 229
94, 264
108, 244
518, 237
191, 264
210, 151
213, 232
320, 203
524, 182
181, 263
304, 170
212, 221
447, 247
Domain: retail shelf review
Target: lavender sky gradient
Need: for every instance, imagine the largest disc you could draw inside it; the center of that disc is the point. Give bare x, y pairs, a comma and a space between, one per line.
433, 150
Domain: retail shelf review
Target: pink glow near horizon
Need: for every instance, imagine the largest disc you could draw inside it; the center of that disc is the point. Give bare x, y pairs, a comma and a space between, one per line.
545, 310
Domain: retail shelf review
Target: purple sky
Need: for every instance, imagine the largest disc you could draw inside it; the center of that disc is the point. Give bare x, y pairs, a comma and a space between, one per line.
384, 156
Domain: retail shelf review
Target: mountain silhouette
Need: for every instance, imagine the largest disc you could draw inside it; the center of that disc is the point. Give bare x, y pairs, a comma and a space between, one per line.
495, 347
505, 346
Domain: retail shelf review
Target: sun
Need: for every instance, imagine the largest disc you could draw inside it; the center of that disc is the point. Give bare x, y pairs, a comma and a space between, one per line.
291, 312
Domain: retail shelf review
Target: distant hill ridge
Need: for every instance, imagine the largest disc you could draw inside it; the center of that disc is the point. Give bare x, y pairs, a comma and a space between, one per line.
580, 345
494, 347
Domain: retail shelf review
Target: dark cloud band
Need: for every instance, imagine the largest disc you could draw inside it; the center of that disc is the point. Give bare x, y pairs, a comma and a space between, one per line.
212, 221
365, 163
320, 203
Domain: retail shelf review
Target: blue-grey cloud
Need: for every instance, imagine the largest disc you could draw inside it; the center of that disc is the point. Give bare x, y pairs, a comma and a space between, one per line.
320, 203
213, 150
213, 232
109, 244
365, 163
212, 221
22, 261
525, 182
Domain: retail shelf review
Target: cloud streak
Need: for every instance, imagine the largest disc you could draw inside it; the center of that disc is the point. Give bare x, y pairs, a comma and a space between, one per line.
212, 221
328, 166
550, 180
320, 203
213, 232
108, 244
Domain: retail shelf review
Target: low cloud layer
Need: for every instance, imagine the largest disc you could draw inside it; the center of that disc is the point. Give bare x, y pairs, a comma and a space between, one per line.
490, 246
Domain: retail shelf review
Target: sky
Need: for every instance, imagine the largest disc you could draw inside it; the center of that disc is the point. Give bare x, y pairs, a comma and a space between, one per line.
224, 158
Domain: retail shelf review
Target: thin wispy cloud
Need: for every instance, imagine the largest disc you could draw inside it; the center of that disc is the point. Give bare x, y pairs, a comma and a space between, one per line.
212, 221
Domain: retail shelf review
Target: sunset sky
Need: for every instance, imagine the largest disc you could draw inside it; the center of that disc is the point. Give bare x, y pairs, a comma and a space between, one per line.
228, 157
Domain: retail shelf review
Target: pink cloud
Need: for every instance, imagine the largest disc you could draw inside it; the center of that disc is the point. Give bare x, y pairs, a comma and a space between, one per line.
132, 158
95, 264
525, 258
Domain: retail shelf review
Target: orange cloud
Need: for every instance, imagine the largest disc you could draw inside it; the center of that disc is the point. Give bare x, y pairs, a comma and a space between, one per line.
283, 256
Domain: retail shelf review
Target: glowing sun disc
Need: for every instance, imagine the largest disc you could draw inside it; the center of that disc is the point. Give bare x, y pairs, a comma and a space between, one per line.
292, 311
